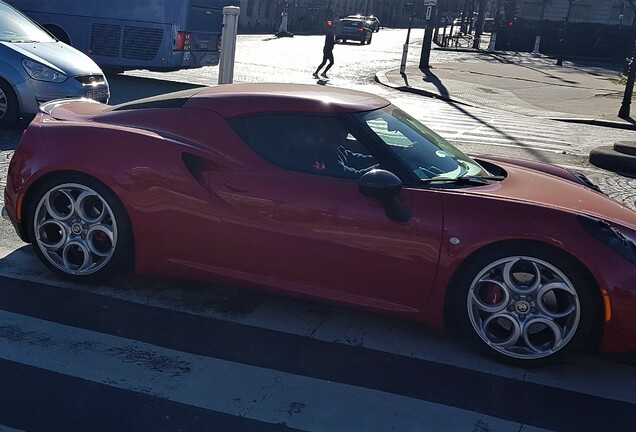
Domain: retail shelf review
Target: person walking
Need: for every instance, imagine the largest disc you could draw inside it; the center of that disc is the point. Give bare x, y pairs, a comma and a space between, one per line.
327, 52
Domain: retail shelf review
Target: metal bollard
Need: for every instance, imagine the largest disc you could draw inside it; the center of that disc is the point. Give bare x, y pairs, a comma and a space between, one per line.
228, 44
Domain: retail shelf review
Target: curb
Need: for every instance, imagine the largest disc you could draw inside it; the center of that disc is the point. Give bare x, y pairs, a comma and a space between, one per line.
380, 77
619, 158
597, 122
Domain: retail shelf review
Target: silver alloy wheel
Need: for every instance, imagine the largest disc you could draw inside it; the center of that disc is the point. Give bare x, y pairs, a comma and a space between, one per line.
75, 229
523, 307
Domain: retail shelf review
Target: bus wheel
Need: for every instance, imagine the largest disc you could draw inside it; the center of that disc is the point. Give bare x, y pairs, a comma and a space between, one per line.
9, 110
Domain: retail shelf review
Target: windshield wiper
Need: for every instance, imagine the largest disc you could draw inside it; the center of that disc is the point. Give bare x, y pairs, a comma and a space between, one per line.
464, 180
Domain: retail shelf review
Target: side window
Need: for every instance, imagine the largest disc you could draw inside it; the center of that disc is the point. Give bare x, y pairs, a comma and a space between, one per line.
314, 144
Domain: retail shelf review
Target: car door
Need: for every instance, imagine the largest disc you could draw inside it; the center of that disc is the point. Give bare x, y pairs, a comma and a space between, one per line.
296, 220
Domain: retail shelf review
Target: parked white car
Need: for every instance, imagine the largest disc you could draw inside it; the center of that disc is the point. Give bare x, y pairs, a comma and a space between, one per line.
35, 68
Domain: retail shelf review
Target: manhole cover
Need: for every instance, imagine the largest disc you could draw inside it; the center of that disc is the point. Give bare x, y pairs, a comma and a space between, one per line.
487, 90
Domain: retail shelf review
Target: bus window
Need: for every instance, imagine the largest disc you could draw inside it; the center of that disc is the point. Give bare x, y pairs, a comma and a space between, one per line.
131, 34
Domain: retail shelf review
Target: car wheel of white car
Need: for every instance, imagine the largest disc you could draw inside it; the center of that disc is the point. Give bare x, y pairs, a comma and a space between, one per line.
9, 110
525, 305
79, 228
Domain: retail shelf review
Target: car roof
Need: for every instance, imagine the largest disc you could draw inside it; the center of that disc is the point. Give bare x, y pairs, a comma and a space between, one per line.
230, 100
242, 99
353, 18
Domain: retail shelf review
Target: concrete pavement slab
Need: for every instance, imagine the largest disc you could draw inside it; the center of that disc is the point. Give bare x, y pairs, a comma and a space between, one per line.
574, 92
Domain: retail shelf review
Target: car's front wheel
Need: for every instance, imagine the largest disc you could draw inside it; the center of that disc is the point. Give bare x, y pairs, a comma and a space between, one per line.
525, 305
9, 109
79, 228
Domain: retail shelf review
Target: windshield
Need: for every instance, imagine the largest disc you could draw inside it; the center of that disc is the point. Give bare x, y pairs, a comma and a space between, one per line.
422, 151
15, 27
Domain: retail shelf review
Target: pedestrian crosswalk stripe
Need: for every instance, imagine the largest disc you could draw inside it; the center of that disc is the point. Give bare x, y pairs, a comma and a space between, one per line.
241, 390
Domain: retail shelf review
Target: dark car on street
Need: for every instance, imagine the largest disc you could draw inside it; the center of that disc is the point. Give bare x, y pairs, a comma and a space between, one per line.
370, 21
353, 29
373, 23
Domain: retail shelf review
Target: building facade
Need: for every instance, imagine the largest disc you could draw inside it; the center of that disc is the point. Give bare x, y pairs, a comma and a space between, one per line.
309, 16
609, 12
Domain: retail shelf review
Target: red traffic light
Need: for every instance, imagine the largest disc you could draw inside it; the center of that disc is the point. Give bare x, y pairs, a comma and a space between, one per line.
329, 23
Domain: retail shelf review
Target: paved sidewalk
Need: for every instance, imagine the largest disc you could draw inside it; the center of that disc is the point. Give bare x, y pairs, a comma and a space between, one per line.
524, 83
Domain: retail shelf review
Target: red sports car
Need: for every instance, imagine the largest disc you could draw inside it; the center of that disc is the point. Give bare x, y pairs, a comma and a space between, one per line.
328, 194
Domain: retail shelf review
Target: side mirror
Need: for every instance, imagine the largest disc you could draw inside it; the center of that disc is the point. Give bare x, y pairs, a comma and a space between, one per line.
385, 185
379, 183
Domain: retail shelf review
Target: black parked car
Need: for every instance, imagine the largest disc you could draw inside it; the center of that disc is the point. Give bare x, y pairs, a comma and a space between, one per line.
353, 29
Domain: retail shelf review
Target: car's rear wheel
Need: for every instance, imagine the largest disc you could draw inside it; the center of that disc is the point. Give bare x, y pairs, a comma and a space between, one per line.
525, 305
79, 228
9, 109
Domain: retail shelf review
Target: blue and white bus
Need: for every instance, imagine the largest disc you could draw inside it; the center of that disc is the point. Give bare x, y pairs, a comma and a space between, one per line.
135, 34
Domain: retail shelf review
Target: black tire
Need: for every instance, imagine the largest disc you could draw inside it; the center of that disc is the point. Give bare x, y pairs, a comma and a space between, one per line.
9, 107
79, 228
525, 304
370, 39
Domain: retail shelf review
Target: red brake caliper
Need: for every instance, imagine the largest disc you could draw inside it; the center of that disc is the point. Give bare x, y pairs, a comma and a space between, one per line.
494, 294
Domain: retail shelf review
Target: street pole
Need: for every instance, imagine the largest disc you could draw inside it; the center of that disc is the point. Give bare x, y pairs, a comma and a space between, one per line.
405, 50
629, 87
479, 28
464, 23
428, 38
493, 35
537, 41
563, 34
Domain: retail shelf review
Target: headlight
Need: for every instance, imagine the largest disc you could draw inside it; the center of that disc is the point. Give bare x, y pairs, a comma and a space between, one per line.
40, 72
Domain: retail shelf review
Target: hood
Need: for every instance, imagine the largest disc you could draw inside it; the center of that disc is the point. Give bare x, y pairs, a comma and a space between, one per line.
58, 56
550, 190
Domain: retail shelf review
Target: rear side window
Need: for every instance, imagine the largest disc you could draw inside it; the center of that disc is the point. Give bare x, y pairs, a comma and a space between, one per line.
313, 144
352, 23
